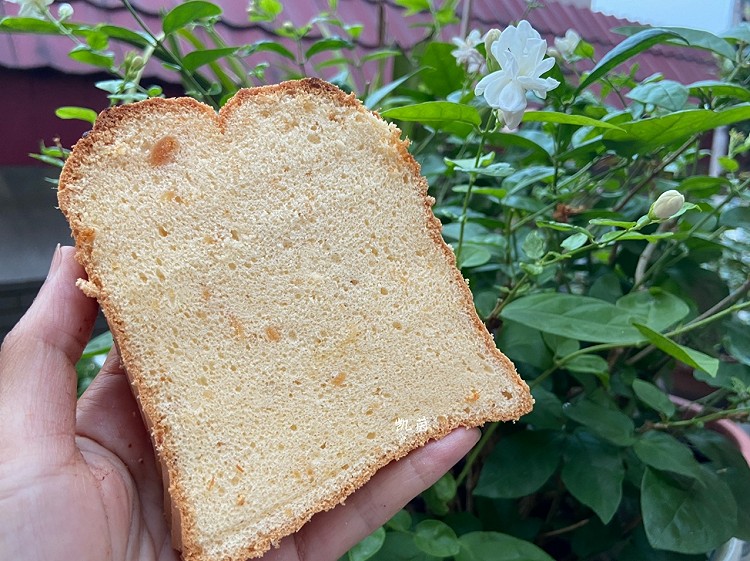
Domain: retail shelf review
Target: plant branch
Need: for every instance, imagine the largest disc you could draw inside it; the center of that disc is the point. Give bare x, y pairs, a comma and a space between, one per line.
656, 171
648, 253
159, 42
738, 413
566, 529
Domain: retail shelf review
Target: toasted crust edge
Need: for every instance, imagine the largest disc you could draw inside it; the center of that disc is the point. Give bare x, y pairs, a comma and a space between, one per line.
182, 519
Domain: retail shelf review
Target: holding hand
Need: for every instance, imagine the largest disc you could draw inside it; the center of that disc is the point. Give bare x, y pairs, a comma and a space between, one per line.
78, 478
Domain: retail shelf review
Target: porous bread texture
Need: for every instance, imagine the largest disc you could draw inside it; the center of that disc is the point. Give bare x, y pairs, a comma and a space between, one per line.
283, 302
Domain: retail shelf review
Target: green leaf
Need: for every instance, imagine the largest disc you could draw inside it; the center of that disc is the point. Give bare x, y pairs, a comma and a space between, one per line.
520, 464
400, 521
328, 44
657, 132
703, 40
534, 245
732, 467
626, 50
490, 191
265, 10
661, 451
483, 167
524, 344
473, 256
613, 223
196, 59
574, 241
736, 217
49, 160
493, 546
440, 494
265, 45
506, 140
655, 398
686, 355
666, 93
656, 308
189, 12
15, 24
587, 364
729, 164
413, 6
99, 345
136, 38
97, 40
577, 317
368, 546
737, 341
703, 186
81, 113
624, 236
687, 516
594, 472
435, 112
399, 546
472, 231
436, 538
547, 412
695, 38
561, 226
380, 54
374, 98
84, 54
715, 88
740, 33
610, 424
442, 75
566, 119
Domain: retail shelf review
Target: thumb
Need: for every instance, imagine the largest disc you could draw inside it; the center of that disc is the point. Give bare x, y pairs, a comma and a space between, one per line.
37, 360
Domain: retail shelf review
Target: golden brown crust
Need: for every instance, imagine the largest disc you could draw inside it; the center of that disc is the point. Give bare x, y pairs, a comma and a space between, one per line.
182, 518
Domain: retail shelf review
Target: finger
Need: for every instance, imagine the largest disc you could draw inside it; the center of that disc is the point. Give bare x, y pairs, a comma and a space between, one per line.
108, 414
37, 360
330, 534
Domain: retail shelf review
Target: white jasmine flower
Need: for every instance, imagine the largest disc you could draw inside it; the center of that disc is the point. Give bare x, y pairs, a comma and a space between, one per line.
467, 54
520, 52
32, 8
64, 11
567, 45
667, 205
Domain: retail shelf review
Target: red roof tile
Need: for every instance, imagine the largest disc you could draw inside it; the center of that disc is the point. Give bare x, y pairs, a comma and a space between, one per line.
33, 51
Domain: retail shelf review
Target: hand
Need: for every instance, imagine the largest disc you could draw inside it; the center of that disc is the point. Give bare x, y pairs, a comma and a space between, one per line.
79, 480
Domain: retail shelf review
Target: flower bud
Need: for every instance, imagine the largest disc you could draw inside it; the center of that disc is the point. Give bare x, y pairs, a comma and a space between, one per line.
567, 45
490, 37
64, 11
667, 205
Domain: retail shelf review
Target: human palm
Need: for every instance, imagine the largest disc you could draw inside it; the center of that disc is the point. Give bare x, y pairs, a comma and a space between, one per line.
79, 480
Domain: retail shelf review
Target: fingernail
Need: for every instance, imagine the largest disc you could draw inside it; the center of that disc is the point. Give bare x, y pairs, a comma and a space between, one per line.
56, 262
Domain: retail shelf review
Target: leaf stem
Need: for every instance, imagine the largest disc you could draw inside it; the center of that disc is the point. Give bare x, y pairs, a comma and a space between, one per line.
474, 454
472, 180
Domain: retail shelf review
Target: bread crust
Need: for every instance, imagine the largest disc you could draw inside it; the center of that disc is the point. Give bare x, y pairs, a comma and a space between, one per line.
178, 509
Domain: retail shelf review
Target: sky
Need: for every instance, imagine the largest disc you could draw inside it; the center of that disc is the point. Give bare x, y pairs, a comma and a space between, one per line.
710, 15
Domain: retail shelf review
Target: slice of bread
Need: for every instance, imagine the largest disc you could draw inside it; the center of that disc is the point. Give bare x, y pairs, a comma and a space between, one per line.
285, 307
